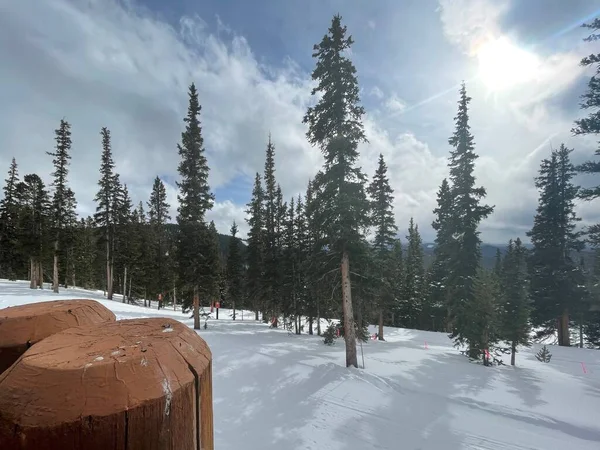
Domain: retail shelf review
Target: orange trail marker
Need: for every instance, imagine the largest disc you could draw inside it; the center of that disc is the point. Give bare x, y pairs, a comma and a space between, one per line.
583, 368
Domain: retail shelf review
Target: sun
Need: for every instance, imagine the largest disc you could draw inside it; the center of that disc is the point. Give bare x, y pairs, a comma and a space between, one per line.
503, 65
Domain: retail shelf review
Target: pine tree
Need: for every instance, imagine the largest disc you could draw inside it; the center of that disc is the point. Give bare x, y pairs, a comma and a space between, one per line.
158, 214
516, 304
124, 256
256, 248
105, 216
235, 271
414, 279
445, 248
271, 235
586, 126
212, 264
467, 213
34, 224
9, 216
63, 210
335, 126
85, 252
195, 199
555, 277
382, 218
481, 314
398, 280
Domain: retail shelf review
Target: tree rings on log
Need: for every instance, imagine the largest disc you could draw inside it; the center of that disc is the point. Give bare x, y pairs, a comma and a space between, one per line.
131, 384
24, 325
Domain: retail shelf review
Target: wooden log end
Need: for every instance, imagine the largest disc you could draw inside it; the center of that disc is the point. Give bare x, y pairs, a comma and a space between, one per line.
131, 384
24, 325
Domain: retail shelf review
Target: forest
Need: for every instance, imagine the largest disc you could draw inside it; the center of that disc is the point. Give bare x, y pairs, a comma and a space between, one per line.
334, 252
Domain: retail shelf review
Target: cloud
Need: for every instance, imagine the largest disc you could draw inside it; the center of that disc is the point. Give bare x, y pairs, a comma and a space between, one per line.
112, 63
395, 104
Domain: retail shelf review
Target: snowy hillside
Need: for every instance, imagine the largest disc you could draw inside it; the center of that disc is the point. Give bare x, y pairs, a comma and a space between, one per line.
273, 390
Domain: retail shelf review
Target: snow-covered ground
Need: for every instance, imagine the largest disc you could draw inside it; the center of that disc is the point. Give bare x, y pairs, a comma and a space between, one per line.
275, 390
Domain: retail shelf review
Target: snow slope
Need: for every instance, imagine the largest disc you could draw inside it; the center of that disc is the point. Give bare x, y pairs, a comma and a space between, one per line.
275, 390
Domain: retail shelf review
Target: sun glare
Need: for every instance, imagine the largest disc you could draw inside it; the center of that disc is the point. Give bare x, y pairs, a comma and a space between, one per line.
503, 65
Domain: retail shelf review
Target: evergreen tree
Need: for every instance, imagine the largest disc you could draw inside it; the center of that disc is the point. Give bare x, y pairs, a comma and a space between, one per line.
213, 271
195, 199
235, 271
85, 253
467, 213
10, 259
382, 210
271, 236
335, 126
105, 216
481, 314
414, 281
445, 248
516, 306
34, 225
158, 214
63, 200
398, 280
256, 248
586, 126
124, 253
555, 277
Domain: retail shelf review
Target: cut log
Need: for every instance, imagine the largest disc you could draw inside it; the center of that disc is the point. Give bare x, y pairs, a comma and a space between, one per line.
130, 384
24, 325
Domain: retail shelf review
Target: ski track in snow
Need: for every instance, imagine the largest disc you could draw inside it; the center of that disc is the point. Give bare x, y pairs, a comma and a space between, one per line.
273, 389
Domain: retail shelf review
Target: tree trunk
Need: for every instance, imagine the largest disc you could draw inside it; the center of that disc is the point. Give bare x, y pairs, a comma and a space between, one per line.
40, 276
125, 285
55, 269
256, 315
108, 275
513, 352
174, 298
565, 340
381, 325
129, 294
318, 318
310, 326
233, 306
349, 332
196, 309
33, 273
581, 332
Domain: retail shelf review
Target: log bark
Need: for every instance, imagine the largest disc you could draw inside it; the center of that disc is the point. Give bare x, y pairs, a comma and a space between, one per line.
131, 384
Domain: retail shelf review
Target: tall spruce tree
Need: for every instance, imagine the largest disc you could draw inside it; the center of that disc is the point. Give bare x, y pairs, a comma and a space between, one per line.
63, 210
272, 246
256, 248
515, 301
158, 214
398, 280
555, 276
85, 253
9, 225
195, 199
334, 124
382, 211
414, 279
467, 213
105, 216
235, 271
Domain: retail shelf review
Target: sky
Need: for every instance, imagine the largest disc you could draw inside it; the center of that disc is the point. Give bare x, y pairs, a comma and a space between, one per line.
127, 65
